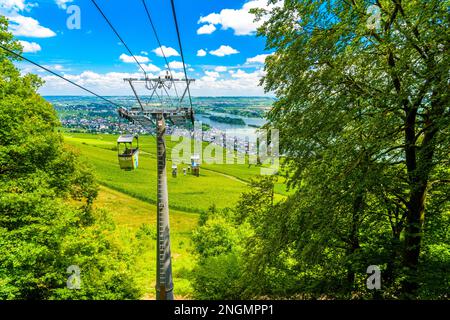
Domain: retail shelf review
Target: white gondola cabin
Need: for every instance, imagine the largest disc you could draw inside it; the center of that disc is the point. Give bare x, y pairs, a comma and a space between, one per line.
128, 151
195, 164
174, 170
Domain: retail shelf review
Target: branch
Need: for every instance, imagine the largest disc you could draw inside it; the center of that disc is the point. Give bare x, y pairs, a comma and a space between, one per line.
389, 150
431, 183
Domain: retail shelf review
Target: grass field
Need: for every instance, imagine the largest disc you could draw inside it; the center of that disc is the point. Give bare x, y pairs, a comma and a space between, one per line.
130, 197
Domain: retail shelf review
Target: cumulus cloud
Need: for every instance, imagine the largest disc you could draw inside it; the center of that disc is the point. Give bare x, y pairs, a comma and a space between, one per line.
223, 51
241, 84
206, 29
129, 59
151, 68
260, 58
168, 51
175, 74
240, 74
110, 83
241, 20
28, 27
31, 47
13, 4
57, 67
176, 65
220, 69
20, 25
27, 68
201, 53
62, 4
212, 74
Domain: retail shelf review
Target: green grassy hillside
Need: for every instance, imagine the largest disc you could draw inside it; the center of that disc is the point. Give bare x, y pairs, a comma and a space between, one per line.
130, 197
219, 184
186, 193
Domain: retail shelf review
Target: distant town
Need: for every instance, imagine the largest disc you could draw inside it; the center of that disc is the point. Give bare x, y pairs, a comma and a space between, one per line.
228, 121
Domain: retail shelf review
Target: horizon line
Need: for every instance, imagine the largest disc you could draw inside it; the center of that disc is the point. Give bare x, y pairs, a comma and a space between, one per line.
90, 96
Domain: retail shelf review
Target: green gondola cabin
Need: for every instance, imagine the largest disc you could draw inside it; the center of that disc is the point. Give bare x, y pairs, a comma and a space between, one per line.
128, 152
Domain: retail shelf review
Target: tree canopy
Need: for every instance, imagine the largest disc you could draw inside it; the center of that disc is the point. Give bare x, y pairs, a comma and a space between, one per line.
47, 223
364, 115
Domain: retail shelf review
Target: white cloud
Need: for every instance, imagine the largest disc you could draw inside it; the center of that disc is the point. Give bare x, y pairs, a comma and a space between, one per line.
112, 84
57, 67
129, 59
201, 53
175, 74
27, 68
168, 51
104, 84
30, 46
191, 69
238, 83
212, 74
145, 53
240, 74
176, 65
241, 83
241, 20
151, 68
223, 51
13, 4
220, 69
260, 58
28, 27
206, 29
62, 4
54, 67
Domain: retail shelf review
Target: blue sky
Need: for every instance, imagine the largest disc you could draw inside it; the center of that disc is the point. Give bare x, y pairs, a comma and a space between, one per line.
219, 43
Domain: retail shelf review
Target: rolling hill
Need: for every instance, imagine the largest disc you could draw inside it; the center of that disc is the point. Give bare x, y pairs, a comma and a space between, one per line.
130, 197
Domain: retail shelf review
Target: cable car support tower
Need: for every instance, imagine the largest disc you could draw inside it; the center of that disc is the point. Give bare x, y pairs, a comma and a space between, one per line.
169, 109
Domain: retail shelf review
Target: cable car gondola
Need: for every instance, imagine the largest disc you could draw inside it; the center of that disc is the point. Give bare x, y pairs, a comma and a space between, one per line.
128, 153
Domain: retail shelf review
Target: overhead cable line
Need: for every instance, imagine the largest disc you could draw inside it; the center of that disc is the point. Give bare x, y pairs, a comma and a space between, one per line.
182, 55
58, 75
118, 36
159, 43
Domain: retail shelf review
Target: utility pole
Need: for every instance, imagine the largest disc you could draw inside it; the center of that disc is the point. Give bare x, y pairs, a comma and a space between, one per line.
148, 115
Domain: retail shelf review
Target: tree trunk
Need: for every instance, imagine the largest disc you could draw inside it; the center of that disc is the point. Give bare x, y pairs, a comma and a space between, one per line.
419, 165
413, 239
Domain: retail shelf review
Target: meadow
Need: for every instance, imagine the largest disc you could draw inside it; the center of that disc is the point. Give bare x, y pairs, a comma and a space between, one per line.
130, 198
